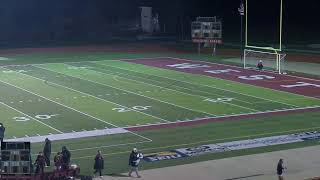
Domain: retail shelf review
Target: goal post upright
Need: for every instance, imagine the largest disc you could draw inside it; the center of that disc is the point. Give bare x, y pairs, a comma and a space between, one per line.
264, 50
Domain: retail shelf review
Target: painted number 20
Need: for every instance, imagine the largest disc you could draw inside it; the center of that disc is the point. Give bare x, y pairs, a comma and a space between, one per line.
137, 108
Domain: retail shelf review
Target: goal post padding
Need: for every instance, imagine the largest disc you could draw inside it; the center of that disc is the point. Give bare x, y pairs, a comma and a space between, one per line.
272, 60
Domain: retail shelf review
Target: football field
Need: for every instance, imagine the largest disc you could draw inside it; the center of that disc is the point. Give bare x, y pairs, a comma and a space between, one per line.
99, 103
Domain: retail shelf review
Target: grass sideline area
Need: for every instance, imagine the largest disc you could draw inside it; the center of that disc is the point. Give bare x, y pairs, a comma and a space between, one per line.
88, 91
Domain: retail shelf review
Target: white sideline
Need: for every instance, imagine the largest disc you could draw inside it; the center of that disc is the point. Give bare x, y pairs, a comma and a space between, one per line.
72, 135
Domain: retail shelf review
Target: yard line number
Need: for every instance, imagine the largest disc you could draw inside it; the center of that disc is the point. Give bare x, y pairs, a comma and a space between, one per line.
39, 116
137, 108
219, 100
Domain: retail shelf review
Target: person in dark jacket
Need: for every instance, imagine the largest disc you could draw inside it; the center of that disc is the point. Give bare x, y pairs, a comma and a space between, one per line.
47, 151
98, 163
280, 169
39, 163
134, 161
65, 159
2, 130
57, 161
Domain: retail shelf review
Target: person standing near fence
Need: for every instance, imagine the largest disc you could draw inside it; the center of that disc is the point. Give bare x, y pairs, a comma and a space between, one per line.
2, 130
134, 161
98, 163
65, 158
39, 163
47, 151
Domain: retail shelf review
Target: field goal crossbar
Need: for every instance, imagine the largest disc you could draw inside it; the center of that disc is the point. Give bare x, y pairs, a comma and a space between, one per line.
264, 55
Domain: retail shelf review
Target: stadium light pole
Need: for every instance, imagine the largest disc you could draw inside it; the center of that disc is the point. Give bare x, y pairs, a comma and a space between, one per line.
241, 11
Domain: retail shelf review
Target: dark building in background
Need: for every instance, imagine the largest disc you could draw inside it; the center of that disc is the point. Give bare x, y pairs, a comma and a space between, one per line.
83, 20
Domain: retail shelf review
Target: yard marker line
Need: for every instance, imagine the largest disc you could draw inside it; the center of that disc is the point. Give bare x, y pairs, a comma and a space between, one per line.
58, 103
30, 117
250, 84
132, 93
233, 115
72, 109
162, 87
207, 141
95, 97
124, 59
214, 87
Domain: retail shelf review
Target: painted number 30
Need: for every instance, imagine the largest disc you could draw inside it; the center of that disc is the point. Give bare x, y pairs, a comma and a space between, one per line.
40, 117
137, 108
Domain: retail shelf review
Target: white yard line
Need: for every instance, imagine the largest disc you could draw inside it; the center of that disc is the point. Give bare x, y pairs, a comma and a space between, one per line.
206, 141
31, 117
251, 84
130, 92
93, 96
88, 115
106, 146
70, 135
211, 87
116, 73
59, 103
233, 115
178, 91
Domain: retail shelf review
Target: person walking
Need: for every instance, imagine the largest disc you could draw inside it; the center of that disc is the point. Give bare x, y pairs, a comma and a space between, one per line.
98, 163
280, 169
134, 161
47, 151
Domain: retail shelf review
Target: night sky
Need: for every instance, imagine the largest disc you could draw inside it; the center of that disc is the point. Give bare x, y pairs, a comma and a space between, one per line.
44, 19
